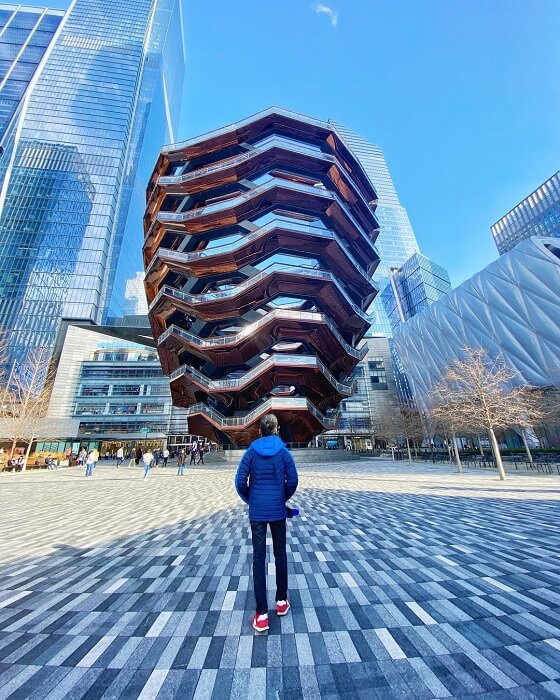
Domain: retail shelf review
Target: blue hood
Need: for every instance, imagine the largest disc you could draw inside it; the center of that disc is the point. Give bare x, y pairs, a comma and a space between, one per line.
267, 446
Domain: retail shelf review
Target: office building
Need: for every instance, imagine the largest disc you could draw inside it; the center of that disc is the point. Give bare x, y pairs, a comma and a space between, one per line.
71, 205
510, 308
376, 391
537, 215
110, 391
259, 251
396, 241
412, 288
25, 35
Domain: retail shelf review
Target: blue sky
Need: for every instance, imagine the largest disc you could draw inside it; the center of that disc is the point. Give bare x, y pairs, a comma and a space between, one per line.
463, 96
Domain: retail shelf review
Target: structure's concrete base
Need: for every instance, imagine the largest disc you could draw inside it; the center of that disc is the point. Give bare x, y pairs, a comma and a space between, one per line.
305, 455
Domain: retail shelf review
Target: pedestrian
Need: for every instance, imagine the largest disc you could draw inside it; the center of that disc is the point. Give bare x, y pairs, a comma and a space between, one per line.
201, 454
82, 457
181, 459
91, 461
147, 458
193, 452
120, 457
107, 455
137, 455
165, 455
266, 478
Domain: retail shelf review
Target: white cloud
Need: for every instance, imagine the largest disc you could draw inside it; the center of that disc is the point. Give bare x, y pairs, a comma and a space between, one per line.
320, 8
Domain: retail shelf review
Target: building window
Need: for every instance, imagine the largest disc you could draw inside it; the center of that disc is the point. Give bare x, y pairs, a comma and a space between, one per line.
378, 383
375, 363
152, 408
127, 390
120, 372
158, 390
126, 409
90, 410
102, 390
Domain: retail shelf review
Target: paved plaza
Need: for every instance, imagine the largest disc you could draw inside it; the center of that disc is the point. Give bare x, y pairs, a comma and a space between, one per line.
406, 582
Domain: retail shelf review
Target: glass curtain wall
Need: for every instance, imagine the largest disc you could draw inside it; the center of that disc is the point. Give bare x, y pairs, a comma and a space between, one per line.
25, 34
396, 241
69, 234
537, 215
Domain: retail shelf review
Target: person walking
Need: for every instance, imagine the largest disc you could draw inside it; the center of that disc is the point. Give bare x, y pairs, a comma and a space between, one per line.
181, 459
266, 478
120, 457
82, 457
137, 455
165, 455
147, 458
201, 454
193, 452
91, 461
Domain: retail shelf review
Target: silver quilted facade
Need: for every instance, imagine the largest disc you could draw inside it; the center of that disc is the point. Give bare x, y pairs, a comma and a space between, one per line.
512, 306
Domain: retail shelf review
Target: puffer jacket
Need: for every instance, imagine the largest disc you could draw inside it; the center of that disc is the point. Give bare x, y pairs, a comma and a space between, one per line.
266, 478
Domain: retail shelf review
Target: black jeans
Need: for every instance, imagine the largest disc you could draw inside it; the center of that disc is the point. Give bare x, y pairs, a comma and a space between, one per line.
258, 532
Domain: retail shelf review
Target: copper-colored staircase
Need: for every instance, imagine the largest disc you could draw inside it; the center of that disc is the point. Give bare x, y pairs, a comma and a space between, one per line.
259, 251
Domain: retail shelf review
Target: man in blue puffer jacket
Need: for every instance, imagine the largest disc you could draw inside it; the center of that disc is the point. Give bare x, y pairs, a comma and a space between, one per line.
266, 478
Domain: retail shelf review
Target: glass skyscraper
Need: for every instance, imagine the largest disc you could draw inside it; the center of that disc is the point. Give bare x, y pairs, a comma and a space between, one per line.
537, 215
396, 242
25, 34
416, 285
72, 201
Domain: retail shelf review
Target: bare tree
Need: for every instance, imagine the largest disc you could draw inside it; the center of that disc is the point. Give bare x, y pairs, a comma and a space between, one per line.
396, 422
412, 426
479, 391
387, 423
447, 418
549, 401
25, 398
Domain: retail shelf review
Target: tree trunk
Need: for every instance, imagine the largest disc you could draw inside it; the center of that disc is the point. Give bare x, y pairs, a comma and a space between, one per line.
26, 456
449, 457
497, 455
408, 450
526, 446
14, 443
457, 455
480, 447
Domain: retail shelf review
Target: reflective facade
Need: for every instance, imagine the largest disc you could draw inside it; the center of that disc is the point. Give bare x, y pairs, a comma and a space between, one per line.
106, 99
510, 307
412, 288
537, 215
396, 241
25, 35
259, 250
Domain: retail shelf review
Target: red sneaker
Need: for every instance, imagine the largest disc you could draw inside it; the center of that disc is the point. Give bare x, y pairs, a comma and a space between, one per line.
282, 607
260, 622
